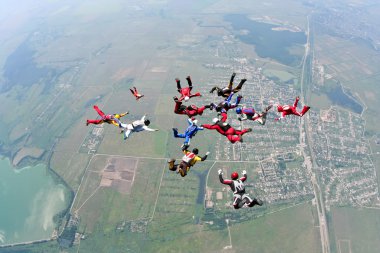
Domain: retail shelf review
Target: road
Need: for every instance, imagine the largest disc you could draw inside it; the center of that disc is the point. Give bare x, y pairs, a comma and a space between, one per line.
307, 142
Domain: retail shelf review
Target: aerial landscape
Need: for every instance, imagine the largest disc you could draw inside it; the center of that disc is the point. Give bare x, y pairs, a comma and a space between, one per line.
68, 186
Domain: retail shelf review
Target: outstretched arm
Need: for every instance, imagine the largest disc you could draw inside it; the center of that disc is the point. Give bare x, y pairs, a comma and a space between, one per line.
149, 129
221, 179
143, 118
205, 156
209, 126
244, 177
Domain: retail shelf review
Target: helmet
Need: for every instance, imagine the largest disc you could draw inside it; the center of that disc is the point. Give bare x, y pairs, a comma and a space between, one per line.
187, 98
195, 151
147, 122
238, 110
234, 175
195, 121
215, 120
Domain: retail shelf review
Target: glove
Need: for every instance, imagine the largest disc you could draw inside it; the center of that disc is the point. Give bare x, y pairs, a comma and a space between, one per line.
207, 153
244, 172
220, 172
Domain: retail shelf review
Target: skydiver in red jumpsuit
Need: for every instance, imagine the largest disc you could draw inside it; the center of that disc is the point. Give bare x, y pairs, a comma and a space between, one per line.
105, 118
190, 111
238, 188
136, 93
186, 92
232, 134
288, 110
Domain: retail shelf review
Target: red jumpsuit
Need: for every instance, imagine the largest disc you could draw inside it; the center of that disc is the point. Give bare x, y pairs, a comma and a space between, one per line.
186, 92
232, 134
190, 110
108, 118
288, 110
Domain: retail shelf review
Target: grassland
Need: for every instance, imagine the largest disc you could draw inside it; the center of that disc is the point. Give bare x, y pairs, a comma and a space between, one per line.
356, 229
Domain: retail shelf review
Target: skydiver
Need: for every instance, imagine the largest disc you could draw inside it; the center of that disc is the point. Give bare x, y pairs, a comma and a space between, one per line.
136, 126
188, 160
226, 91
225, 105
191, 131
251, 114
105, 118
232, 134
238, 188
136, 94
190, 111
288, 110
186, 92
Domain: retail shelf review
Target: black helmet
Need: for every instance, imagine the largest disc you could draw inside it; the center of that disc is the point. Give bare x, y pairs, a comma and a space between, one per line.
195, 151
147, 122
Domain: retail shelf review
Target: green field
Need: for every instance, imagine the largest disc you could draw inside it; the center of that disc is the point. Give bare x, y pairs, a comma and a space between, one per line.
356, 229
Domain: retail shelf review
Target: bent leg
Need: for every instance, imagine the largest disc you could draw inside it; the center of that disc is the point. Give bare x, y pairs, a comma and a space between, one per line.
96, 108
240, 85
231, 81
189, 82
127, 133
233, 138
95, 121
296, 102
178, 84
171, 164
304, 110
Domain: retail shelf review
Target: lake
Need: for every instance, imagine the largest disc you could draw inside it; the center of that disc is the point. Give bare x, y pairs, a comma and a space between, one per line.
29, 199
269, 43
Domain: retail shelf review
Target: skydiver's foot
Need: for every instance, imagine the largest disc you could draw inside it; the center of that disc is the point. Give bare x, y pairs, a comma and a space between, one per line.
87, 123
175, 98
268, 108
243, 80
255, 202
177, 79
241, 139
249, 130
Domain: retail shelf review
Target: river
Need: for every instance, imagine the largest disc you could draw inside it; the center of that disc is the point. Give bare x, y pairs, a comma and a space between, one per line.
29, 199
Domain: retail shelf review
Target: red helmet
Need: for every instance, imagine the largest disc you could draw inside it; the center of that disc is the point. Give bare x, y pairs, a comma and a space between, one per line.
234, 175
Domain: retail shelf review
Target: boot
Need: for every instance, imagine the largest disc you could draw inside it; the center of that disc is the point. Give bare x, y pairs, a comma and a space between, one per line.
304, 110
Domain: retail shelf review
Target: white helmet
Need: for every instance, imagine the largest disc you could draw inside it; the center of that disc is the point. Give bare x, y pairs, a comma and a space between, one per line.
215, 120
195, 121
187, 98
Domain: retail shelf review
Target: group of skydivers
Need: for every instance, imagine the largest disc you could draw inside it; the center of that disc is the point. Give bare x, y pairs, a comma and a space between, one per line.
219, 124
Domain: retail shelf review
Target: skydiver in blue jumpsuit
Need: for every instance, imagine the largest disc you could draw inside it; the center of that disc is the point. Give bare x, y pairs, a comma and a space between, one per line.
191, 130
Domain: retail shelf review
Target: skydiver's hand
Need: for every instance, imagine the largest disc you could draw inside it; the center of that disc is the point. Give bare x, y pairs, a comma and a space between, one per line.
155, 129
244, 172
127, 112
220, 172
208, 152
